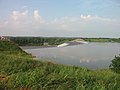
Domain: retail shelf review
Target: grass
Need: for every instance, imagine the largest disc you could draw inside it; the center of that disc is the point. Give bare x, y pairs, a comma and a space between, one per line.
18, 71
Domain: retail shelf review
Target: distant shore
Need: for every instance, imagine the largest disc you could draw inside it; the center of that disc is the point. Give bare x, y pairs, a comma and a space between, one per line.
35, 47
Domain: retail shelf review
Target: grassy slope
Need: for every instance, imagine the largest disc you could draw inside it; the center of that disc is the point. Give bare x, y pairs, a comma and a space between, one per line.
19, 71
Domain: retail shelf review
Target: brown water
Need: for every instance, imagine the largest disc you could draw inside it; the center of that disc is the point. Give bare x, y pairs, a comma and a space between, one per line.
92, 55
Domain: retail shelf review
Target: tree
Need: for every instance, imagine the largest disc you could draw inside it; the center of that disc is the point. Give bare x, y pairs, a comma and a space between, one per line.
115, 66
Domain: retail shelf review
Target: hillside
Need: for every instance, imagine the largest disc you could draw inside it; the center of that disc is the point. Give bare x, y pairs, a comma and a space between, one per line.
8, 47
18, 71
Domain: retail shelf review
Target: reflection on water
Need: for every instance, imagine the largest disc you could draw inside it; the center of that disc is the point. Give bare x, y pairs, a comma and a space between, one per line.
92, 55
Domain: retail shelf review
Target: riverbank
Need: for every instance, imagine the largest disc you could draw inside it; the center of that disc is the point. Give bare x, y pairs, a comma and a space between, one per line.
36, 47
18, 71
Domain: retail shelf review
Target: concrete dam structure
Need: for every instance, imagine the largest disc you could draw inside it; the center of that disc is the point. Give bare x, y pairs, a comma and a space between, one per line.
73, 42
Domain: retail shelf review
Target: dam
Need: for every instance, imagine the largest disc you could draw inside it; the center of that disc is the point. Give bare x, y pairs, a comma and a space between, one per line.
73, 42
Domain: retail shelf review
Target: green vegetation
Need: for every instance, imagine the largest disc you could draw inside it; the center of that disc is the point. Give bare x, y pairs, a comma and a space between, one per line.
115, 66
10, 48
40, 41
102, 39
19, 71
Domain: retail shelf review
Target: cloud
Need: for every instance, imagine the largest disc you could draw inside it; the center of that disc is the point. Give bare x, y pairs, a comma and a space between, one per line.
37, 16
19, 16
24, 17
95, 18
85, 17
24, 23
25, 13
15, 15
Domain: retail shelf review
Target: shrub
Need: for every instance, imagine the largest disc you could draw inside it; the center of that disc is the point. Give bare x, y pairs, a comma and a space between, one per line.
115, 66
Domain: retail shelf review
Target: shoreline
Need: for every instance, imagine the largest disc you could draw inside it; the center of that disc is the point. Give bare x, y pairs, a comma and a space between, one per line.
36, 47
51, 46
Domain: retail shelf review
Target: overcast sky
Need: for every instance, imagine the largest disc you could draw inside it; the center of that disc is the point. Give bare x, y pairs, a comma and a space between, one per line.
54, 18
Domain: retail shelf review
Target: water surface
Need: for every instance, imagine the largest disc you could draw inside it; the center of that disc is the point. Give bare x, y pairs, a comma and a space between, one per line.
92, 55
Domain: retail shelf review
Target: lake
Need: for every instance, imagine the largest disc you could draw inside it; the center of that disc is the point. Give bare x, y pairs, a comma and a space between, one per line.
92, 55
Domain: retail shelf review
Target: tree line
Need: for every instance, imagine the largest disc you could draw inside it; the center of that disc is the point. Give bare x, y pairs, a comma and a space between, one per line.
40, 41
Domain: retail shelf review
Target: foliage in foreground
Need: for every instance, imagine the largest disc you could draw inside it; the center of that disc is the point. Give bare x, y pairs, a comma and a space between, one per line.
115, 66
18, 72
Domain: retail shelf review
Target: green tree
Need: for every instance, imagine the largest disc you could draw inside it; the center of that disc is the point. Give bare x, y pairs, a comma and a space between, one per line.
115, 66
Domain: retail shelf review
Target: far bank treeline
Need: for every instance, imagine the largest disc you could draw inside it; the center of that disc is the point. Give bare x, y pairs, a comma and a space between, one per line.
46, 41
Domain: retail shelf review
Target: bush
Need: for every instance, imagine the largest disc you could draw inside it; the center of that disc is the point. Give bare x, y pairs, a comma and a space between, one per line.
115, 66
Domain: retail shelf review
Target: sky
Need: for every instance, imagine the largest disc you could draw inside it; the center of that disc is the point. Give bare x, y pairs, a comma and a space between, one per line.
60, 18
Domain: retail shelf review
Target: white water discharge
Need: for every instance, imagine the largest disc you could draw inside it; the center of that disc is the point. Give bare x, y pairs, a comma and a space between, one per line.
63, 45
74, 42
